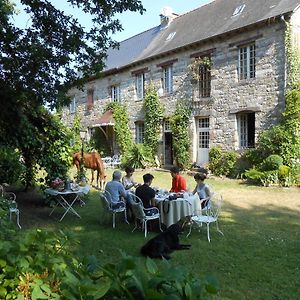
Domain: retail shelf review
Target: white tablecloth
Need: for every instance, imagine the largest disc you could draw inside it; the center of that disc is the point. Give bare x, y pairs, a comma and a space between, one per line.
171, 211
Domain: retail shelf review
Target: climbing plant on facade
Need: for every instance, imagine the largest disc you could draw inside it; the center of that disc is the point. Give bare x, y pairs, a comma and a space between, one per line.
122, 130
292, 51
179, 122
154, 113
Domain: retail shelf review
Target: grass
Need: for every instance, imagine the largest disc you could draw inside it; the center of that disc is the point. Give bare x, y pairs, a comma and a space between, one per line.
257, 258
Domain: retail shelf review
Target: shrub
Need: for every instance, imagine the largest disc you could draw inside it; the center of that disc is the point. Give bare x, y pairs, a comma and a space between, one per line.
222, 162
139, 156
265, 178
284, 175
11, 168
41, 265
272, 162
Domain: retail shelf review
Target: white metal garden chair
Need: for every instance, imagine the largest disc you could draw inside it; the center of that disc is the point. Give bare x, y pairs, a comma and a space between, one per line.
11, 197
140, 213
113, 208
209, 215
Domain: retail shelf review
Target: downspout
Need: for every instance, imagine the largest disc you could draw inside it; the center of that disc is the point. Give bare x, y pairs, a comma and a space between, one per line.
282, 18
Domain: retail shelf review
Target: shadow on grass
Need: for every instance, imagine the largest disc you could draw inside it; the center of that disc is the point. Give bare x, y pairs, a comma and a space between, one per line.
257, 258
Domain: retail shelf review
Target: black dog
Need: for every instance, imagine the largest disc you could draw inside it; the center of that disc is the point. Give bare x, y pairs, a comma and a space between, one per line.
164, 243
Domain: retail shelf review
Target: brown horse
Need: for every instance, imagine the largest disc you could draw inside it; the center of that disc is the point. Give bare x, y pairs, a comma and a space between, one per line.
94, 162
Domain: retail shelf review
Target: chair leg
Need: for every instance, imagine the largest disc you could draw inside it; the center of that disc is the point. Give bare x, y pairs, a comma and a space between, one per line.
135, 227
159, 225
114, 220
18, 219
218, 229
208, 237
191, 224
145, 224
125, 214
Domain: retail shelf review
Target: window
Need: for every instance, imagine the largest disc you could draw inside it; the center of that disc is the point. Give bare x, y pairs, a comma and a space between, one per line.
167, 126
203, 126
246, 130
139, 85
72, 106
90, 99
115, 93
167, 80
247, 62
139, 132
204, 79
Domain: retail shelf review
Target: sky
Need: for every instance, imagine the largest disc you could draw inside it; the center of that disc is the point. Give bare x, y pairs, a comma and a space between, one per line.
132, 22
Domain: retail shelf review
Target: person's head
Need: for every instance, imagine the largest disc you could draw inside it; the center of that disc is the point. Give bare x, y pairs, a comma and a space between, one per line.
117, 175
200, 176
129, 170
174, 171
148, 178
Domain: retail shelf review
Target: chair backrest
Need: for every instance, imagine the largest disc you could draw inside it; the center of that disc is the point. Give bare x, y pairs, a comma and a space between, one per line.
10, 197
216, 204
106, 197
137, 207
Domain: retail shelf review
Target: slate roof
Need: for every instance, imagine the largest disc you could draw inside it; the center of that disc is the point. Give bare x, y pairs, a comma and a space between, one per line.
207, 21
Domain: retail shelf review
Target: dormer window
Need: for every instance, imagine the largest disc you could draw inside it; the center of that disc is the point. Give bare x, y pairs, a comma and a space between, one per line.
238, 10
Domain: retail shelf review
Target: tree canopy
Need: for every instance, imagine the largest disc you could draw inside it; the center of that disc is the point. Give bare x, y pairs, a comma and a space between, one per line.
39, 63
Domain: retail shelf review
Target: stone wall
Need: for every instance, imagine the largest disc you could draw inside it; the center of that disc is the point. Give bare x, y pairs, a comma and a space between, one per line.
264, 93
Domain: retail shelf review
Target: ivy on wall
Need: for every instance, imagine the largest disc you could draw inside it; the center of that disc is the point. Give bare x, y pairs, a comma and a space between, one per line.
154, 113
179, 122
122, 130
292, 50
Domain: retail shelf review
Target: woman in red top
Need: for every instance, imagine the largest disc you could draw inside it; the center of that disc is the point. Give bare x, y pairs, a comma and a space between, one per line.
178, 181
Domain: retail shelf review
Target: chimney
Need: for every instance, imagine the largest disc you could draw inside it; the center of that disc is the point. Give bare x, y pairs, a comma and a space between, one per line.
167, 16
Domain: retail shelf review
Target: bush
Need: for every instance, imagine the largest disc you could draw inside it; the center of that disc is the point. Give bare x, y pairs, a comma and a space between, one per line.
41, 265
11, 168
139, 156
222, 162
284, 175
272, 162
266, 178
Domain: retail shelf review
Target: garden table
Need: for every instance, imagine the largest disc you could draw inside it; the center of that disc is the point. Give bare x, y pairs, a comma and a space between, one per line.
61, 200
171, 211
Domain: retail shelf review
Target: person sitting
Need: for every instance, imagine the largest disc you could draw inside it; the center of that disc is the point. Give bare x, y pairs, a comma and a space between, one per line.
127, 180
146, 193
202, 189
178, 181
116, 190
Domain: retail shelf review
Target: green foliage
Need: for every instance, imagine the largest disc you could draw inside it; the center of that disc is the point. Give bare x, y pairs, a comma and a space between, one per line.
11, 168
154, 113
292, 50
41, 265
53, 49
122, 130
272, 162
222, 162
99, 142
266, 178
139, 156
179, 122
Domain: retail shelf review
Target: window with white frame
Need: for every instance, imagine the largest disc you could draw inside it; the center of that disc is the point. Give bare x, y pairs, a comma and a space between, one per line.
115, 93
247, 62
139, 85
203, 131
167, 80
167, 126
72, 106
246, 130
139, 132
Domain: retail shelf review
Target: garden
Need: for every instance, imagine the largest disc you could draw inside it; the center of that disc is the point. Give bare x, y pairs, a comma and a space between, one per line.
256, 257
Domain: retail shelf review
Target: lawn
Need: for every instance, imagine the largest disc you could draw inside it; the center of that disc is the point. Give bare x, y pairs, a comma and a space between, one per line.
257, 258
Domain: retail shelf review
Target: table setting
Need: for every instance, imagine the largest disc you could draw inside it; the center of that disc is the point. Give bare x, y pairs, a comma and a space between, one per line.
60, 189
175, 206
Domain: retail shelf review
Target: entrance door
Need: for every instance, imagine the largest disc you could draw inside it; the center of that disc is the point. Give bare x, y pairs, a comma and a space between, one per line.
168, 145
168, 149
203, 141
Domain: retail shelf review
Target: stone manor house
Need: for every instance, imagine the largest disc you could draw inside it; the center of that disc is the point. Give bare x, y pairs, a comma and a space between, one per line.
235, 97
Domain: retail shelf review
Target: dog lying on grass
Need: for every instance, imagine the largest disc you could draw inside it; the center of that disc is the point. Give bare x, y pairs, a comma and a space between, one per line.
164, 243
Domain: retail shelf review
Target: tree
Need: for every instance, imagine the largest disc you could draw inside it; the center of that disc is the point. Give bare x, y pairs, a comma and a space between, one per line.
38, 64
